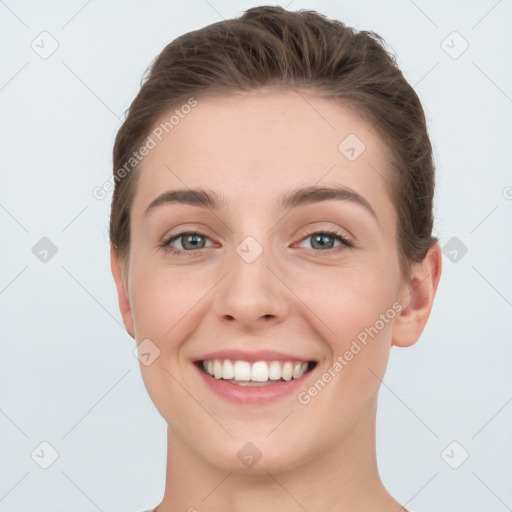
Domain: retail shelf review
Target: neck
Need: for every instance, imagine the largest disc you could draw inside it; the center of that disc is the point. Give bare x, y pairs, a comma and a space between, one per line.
344, 478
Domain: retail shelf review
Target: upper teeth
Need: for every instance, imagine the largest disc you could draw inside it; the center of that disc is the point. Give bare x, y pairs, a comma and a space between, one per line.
260, 371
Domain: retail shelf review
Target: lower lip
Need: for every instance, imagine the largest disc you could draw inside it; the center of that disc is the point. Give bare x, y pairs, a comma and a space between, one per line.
253, 394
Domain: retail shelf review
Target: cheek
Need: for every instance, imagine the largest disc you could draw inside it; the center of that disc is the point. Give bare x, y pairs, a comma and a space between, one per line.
161, 302
359, 310
348, 300
160, 297
354, 312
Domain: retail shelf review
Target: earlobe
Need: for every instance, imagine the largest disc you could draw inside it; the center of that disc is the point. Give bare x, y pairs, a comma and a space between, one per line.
418, 298
122, 291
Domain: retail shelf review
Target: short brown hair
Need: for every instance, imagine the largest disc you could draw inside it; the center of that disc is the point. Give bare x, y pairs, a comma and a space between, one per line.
270, 46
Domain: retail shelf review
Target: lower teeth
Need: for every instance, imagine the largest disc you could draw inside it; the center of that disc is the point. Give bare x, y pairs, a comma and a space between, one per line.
253, 383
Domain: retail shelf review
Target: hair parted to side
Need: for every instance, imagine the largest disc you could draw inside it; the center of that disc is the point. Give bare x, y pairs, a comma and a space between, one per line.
269, 46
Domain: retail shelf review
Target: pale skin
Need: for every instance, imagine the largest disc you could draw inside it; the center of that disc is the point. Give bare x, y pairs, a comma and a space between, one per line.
296, 297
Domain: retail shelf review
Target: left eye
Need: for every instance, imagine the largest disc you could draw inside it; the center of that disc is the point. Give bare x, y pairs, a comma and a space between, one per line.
325, 240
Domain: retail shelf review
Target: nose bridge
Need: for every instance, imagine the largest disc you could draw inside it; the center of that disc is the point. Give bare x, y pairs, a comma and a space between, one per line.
251, 292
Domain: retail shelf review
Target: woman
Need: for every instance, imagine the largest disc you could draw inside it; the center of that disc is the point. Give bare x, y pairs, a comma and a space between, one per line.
271, 236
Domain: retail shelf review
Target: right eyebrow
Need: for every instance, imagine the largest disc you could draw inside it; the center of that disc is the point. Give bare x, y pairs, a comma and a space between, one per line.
193, 197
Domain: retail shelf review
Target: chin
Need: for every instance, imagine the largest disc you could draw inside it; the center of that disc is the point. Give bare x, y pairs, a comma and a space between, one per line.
258, 456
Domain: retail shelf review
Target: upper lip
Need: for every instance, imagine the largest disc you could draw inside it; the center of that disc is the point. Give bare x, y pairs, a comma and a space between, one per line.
258, 355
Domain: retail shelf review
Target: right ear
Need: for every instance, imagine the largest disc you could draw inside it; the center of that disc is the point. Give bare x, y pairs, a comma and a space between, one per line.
122, 291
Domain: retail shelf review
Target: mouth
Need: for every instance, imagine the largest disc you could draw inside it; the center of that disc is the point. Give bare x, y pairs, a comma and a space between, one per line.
256, 373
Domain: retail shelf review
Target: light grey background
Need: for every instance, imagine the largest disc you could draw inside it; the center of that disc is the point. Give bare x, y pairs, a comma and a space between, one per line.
67, 369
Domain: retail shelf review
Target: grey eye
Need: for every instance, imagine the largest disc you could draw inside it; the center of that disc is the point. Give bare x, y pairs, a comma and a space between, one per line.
322, 241
192, 241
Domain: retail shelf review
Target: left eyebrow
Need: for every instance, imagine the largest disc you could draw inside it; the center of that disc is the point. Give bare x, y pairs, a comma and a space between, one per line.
291, 199
310, 195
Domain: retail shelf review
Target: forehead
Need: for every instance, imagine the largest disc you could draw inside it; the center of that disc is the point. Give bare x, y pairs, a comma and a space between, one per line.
252, 147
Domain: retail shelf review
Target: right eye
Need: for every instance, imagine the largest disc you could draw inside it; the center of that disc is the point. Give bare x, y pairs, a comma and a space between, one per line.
191, 243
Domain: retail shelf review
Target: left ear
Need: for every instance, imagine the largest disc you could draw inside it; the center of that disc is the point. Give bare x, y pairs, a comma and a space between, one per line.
417, 298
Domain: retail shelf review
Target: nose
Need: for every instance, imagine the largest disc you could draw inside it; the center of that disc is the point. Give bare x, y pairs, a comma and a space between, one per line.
251, 295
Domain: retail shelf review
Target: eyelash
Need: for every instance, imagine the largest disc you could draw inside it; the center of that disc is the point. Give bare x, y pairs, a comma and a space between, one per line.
345, 242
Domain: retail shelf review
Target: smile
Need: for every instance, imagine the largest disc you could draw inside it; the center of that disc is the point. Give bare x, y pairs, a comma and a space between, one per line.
257, 373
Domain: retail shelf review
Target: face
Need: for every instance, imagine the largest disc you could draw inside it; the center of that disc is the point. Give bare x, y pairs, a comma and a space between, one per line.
268, 280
